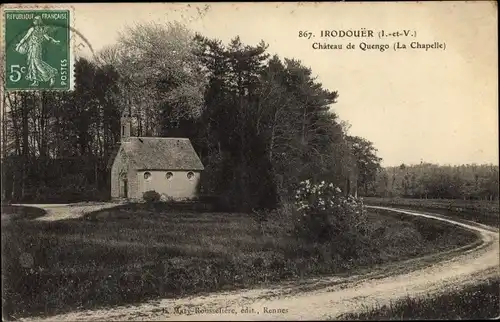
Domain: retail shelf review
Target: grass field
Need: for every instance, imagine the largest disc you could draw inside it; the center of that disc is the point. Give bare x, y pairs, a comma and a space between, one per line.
19, 213
485, 212
135, 253
476, 302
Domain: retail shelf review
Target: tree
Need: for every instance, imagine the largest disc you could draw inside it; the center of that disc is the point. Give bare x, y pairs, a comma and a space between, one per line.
368, 164
161, 76
426, 180
260, 124
276, 108
49, 133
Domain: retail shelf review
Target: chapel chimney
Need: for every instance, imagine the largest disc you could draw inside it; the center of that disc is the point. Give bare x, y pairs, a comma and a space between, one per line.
125, 125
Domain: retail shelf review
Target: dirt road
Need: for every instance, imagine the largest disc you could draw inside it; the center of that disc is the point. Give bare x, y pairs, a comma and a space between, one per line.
326, 298
69, 211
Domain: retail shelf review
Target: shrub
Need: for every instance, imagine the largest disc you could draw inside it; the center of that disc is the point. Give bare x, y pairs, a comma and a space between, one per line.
325, 214
166, 198
151, 196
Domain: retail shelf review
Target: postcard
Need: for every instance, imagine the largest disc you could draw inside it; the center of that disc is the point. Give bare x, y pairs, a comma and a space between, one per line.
250, 161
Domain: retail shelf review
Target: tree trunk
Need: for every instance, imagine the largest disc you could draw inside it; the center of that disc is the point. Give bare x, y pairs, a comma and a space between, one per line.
25, 131
43, 135
304, 126
273, 131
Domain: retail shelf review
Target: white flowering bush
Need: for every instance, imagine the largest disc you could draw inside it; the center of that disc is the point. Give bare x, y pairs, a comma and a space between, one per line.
310, 198
326, 212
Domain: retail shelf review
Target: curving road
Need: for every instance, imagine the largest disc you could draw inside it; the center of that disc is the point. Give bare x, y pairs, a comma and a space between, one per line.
56, 212
324, 298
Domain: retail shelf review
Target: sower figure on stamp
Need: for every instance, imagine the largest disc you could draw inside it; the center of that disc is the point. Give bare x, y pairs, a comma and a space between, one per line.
31, 44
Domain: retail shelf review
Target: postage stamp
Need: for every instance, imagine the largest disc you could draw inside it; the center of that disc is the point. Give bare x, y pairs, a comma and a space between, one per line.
38, 51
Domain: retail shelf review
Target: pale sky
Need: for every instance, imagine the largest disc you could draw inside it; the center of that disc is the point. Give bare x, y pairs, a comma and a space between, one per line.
436, 106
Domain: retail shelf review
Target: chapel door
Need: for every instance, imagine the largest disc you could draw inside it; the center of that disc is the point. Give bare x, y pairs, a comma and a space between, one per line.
124, 188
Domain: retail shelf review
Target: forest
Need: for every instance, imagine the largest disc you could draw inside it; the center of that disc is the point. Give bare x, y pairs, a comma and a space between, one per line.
427, 180
260, 124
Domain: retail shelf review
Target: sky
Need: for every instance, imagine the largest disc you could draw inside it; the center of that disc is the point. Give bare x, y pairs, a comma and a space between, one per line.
438, 106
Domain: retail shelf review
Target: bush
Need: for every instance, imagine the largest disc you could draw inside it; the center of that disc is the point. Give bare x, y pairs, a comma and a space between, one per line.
325, 214
151, 196
166, 198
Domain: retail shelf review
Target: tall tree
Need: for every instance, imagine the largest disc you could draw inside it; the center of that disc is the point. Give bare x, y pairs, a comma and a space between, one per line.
161, 75
368, 163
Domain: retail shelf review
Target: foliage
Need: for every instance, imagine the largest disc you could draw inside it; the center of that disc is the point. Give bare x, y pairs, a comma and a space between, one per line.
161, 77
326, 212
425, 180
151, 196
51, 137
367, 162
260, 124
267, 123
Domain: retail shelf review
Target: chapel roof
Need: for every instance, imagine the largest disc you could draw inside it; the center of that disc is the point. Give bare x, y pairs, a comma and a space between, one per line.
157, 153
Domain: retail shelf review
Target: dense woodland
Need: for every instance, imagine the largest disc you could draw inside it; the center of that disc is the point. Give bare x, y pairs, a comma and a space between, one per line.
425, 180
260, 124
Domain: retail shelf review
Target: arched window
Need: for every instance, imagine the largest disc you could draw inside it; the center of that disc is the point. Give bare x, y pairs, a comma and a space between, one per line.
190, 175
147, 176
169, 175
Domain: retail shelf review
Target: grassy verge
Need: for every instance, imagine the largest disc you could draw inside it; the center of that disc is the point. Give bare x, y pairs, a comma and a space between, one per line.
427, 235
21, 212
135, 253
480, 301
484, 212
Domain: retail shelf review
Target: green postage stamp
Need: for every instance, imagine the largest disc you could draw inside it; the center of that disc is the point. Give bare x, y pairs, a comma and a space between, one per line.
38, 51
